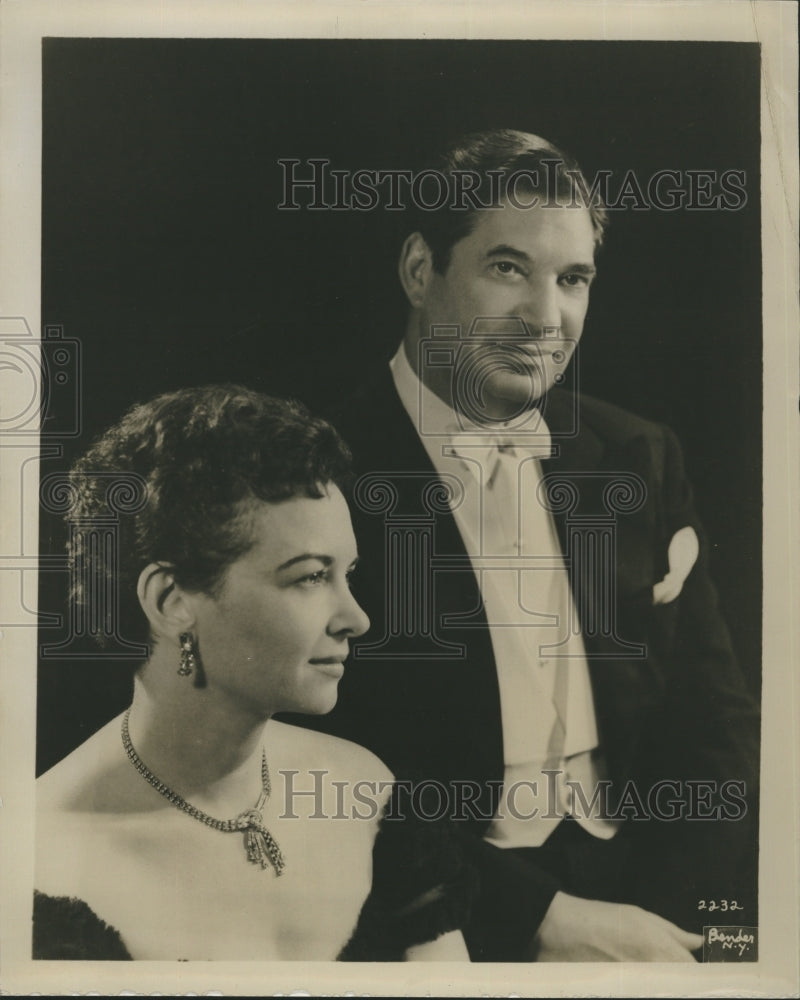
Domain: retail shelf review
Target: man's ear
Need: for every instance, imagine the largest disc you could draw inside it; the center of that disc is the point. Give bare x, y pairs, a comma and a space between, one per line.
415, 268
163, 601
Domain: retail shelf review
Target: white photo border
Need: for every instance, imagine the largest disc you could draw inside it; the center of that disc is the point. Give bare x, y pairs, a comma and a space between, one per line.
23, 24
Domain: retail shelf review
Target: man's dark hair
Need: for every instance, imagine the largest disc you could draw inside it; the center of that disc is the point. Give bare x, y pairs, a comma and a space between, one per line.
187, 465
499, 160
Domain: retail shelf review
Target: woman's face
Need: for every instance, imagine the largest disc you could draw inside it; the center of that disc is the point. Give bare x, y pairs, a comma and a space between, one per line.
275, 637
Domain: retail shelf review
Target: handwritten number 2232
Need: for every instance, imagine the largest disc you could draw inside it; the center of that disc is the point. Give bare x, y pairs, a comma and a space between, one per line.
711, 905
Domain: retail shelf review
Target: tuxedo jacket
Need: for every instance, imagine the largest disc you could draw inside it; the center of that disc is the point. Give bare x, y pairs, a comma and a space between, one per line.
671, 704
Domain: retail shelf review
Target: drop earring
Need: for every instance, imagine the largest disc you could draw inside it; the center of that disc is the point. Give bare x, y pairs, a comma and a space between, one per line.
188, 654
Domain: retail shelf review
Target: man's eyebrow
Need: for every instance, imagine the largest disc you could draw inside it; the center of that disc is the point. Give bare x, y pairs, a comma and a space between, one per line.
505, 250
325, 560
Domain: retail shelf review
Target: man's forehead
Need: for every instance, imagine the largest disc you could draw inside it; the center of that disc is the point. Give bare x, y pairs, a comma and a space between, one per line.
506, 220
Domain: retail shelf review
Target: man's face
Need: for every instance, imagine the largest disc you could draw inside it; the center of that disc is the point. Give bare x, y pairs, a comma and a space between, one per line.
532, 265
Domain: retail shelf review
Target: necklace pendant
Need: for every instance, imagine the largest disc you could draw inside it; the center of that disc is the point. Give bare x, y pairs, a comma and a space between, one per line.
249, 818
261, 847
256, 853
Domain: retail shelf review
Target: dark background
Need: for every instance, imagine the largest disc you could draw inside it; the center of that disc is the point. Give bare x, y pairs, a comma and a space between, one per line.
165, 256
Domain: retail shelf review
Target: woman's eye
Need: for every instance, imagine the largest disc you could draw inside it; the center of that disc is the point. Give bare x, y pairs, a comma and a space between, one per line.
312, 578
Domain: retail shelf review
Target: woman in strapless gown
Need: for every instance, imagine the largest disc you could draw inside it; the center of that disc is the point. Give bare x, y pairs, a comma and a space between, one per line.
195, 825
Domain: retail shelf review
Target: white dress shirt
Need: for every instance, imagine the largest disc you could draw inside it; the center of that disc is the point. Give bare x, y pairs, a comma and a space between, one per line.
547, 709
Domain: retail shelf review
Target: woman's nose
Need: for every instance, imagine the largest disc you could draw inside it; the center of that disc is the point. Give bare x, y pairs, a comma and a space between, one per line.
350, 617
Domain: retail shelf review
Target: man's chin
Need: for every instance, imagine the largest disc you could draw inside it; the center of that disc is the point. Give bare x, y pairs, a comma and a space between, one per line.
509, 395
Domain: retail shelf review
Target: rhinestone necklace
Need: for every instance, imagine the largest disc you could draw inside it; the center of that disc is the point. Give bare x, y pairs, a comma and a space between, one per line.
261, 847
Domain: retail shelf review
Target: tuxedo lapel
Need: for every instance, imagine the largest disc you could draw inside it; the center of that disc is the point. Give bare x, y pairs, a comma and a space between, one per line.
463, 688
585, 465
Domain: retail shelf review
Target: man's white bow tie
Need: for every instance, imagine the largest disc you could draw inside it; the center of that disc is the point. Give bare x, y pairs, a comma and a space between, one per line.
468, 444
494, 448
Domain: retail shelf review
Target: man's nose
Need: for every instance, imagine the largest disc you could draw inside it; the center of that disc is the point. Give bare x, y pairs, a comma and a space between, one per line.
540, 309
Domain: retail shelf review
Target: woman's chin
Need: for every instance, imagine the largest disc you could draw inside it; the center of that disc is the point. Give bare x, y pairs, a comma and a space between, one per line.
323, 701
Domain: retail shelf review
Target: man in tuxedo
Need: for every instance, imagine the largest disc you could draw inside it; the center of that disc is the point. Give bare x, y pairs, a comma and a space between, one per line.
547, 663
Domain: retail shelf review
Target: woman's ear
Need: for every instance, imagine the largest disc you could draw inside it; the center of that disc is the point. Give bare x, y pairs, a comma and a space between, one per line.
415, 268
163, 601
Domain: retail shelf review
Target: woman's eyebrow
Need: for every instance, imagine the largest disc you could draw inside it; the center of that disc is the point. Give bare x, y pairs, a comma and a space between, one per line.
325, 560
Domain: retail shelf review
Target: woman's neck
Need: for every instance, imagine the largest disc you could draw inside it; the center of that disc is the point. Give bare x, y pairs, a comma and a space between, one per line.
206, 751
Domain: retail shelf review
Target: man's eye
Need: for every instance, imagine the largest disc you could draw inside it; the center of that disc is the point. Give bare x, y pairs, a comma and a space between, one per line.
506, 267
575, 280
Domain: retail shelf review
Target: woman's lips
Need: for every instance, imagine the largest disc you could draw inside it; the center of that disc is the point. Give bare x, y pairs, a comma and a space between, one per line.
333, 666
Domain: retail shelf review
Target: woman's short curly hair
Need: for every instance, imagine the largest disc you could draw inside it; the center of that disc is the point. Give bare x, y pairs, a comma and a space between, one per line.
198, 457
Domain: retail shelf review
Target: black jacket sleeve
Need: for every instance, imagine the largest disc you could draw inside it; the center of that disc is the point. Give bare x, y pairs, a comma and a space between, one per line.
423, 886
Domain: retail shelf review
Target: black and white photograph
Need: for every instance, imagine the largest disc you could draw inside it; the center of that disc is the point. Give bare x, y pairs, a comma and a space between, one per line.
399, 458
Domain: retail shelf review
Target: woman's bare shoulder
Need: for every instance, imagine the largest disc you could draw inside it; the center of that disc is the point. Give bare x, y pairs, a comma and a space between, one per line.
307, 749
91, 779
81, 805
